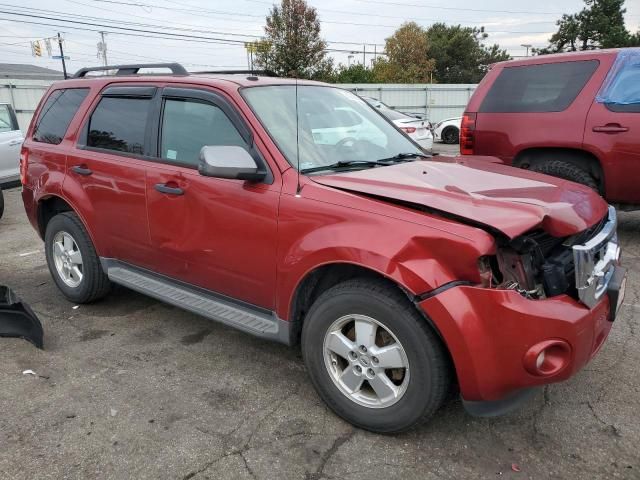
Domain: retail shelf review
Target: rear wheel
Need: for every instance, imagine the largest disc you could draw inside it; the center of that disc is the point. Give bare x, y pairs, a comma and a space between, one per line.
373, 359
567, 171
451, 135
73, 261
1, 203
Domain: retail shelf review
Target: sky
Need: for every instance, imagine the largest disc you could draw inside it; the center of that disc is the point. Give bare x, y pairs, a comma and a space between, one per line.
346, 25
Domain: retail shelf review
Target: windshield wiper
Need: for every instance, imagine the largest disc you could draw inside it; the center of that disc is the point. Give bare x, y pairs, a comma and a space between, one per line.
342, 164
402, 157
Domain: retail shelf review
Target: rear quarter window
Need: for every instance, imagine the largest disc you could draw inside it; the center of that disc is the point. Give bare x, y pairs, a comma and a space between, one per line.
56, 114
549, 87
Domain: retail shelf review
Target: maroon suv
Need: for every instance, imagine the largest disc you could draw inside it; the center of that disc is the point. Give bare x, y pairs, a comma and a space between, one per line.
245, 200
575, 116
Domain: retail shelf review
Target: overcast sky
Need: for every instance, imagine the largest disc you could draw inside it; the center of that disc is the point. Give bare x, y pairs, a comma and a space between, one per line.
510, 23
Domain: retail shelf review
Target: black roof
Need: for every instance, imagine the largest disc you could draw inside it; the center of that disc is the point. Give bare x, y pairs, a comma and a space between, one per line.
19, 70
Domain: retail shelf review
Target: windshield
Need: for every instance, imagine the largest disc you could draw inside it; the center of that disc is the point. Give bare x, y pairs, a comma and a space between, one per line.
335, 126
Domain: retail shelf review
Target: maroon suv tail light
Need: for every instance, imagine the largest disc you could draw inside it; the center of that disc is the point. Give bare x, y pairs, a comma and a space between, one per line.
467, 133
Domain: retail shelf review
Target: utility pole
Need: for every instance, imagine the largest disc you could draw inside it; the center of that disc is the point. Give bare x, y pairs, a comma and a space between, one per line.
102, 49
64, 65
364, 55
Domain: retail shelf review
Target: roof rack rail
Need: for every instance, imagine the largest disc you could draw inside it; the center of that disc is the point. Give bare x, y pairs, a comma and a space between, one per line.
176, 69
263, 73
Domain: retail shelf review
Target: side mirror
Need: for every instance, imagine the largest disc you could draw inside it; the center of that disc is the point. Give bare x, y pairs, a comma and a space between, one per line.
229, 162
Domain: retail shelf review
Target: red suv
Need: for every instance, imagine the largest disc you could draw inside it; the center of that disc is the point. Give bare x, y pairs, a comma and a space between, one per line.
243, 199
575, 116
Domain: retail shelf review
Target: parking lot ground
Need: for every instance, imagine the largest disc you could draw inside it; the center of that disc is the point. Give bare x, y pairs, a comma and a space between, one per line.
133, 388
444, 149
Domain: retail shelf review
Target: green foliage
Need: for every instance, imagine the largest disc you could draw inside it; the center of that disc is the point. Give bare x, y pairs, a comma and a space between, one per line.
459, 54
407, 57
296, 48
356, 73
599, 25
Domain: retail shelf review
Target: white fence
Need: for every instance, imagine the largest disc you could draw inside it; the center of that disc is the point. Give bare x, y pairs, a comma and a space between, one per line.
436, 101
24, 95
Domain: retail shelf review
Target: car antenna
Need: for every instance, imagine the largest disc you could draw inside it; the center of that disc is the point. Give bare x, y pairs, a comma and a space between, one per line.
298, 188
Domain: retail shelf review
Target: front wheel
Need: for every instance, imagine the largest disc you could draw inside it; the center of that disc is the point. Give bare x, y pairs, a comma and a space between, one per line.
372, 357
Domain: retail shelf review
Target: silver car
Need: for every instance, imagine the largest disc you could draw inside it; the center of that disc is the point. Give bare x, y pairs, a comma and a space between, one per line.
10, 142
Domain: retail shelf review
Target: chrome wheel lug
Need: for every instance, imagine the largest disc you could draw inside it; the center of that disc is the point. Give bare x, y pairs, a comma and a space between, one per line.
371, 372
363, 349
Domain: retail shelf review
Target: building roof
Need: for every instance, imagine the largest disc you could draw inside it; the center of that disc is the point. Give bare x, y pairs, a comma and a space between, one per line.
19, 70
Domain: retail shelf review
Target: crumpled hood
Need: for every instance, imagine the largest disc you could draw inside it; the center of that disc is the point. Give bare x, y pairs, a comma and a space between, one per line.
483, 191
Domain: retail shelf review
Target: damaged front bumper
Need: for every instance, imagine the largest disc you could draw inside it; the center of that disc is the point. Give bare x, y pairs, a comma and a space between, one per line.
17, 320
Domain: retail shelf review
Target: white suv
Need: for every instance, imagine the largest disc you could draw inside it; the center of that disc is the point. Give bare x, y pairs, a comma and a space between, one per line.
10, 142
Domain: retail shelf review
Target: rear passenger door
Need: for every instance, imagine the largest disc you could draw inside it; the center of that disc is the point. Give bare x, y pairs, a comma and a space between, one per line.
218, 234
106, 172
612, 130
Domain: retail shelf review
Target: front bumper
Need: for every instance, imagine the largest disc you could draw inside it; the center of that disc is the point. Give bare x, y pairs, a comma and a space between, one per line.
491, 332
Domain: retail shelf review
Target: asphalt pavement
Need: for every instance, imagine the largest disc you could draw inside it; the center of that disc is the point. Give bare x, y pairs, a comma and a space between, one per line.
133, 388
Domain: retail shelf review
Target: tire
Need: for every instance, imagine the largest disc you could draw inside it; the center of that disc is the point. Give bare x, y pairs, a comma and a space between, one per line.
1, 203
426, 382
567, 171
450, 135
93, 283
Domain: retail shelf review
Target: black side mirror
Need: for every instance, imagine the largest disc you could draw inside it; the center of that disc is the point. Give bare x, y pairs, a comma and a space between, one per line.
229, 162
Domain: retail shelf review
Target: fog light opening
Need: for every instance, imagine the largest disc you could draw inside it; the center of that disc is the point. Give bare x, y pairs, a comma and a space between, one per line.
547, 358
540, 360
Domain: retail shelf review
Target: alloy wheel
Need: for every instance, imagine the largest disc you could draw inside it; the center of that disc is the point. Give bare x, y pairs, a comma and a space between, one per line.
366, 361
67, 259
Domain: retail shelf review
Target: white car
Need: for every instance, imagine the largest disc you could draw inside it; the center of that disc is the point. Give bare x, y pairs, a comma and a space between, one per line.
10, 142
419, 130
448, 131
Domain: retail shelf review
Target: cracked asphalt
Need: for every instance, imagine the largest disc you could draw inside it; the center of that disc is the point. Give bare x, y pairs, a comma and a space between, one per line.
132, 388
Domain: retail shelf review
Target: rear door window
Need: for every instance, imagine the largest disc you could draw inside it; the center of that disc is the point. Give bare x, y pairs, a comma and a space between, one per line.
120, 124
57, 113
550, 87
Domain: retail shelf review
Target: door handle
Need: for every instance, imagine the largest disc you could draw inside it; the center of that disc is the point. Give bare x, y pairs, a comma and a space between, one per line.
610, 128
164, 188
82, 170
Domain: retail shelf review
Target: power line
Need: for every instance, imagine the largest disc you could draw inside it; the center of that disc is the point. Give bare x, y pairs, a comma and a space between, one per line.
139, 32
404, 5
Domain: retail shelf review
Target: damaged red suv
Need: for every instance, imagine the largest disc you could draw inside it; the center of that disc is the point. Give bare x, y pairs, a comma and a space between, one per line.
245, 200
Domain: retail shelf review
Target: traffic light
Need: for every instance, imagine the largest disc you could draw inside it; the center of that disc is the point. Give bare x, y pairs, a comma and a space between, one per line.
36, 48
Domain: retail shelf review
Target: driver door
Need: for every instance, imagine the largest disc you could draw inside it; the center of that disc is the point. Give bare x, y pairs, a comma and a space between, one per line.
217, 234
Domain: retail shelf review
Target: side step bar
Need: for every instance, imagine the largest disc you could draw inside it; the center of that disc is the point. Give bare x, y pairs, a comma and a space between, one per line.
245, 317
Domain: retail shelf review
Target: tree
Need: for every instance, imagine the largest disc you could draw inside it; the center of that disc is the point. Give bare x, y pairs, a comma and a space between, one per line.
295, 46
356, 73
407, 57
459, 54
599, 25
